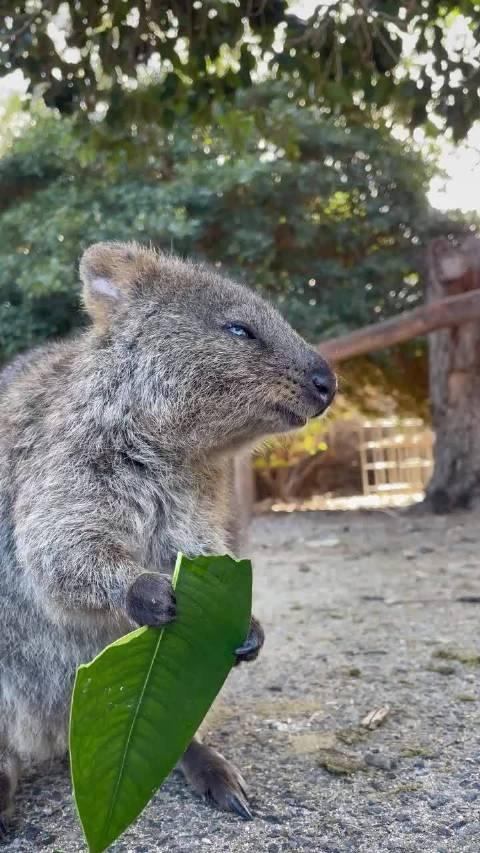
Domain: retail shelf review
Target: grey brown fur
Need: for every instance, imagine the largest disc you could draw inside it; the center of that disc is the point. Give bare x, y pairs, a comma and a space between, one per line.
116, 452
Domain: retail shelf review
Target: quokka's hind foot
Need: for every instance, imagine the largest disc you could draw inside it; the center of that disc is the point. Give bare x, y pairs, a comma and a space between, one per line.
8, 785
216, 779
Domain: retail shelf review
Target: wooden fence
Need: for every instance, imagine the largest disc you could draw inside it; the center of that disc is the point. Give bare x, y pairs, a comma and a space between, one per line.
396, 456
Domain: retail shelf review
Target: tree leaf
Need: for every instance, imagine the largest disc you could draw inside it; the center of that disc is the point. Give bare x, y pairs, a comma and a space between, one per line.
137, 705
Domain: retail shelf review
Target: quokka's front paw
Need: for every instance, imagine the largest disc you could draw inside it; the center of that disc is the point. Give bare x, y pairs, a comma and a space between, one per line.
252, 645
151, 600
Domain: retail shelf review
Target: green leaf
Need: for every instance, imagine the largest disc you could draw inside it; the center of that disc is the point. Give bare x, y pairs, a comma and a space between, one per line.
137, 705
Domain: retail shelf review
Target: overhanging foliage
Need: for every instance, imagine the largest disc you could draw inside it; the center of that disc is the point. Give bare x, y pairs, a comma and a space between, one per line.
159, 61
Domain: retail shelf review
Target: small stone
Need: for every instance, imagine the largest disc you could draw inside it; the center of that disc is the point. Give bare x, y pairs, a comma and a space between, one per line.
376, 717
473, 829
375, 810
354, 672
470, 796
466, 656
372, 598
382, 762
339, 762
48, 839
437, 802
403, 817
443, 669
328, 542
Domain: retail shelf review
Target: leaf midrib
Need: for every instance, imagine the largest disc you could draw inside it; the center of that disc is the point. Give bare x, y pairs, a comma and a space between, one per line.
106, 824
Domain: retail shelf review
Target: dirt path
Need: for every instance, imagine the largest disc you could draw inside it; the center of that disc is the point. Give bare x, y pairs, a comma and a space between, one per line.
362, 611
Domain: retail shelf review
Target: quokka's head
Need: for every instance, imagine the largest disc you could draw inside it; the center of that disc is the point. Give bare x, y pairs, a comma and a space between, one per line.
207, 359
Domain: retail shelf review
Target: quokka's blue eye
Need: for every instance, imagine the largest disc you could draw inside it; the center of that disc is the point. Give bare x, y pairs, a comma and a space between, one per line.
239, 330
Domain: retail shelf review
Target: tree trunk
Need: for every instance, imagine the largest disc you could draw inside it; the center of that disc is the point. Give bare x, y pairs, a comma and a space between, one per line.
454, 364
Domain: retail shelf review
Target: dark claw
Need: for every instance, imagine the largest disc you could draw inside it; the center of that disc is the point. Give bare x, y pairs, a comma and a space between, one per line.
252, 645
244, 793
240, 806
235, 803
3, 828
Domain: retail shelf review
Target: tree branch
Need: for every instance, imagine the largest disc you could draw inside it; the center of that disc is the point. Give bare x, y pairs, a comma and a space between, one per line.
452, 311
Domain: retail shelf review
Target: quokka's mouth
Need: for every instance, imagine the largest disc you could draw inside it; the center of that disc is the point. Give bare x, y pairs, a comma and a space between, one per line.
320, 412
293, 419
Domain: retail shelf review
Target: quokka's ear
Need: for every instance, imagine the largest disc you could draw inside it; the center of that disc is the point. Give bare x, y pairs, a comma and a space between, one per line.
111, 274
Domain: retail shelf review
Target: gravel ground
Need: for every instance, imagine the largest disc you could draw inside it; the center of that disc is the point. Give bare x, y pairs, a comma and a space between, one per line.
362, 611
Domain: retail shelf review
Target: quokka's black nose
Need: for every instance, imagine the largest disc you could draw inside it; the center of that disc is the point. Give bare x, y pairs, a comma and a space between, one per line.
324, 384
